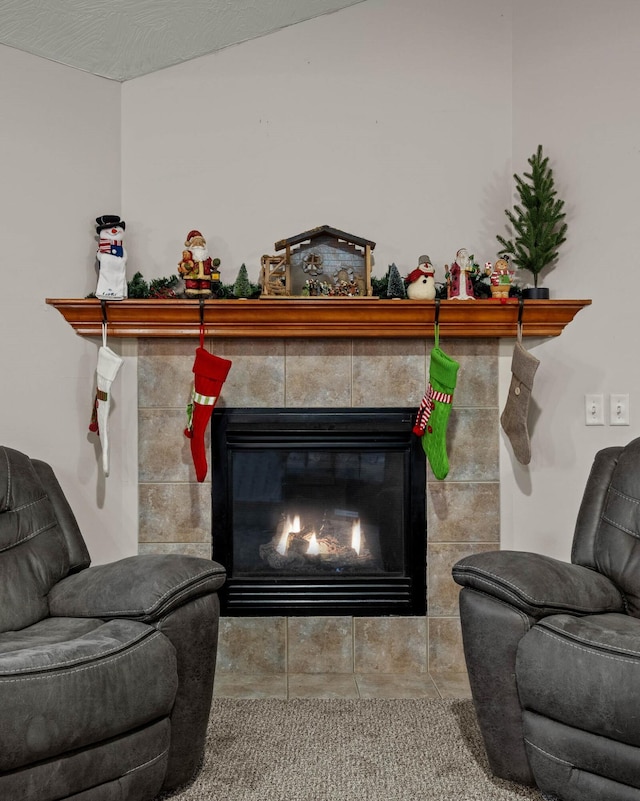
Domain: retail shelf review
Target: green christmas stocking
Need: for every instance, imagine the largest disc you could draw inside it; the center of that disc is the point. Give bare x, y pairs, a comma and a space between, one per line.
514, 416
433, 415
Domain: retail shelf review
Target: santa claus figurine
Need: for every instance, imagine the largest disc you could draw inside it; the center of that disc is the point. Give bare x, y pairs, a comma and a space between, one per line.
197, 268
420, 283
112, 258
459, 283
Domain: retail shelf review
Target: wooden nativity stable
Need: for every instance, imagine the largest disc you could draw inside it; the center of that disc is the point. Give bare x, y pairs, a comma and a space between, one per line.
322, 262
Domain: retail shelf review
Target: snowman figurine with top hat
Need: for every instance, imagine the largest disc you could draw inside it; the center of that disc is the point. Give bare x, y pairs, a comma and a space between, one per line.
112, 258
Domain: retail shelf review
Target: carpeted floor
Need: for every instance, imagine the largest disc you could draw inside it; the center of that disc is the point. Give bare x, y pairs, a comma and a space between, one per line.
343, 750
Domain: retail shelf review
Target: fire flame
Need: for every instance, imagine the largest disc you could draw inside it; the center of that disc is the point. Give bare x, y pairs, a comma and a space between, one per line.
293, 526
288, 528
284, 539
355, 536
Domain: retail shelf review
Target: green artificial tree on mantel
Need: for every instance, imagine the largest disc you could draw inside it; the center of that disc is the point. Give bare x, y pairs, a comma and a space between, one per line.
242, 287
538, 222
395, 284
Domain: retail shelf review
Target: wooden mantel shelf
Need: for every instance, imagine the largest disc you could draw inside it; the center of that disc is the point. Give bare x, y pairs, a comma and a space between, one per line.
317, 317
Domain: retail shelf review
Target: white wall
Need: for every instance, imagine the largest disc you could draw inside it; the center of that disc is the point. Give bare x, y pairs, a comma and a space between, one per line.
397, 120
60, 167
575, 70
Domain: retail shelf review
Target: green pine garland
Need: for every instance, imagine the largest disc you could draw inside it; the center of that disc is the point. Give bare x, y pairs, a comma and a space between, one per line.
538, 221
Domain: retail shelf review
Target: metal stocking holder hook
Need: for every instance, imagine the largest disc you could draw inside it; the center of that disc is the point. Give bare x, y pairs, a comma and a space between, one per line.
436, 323
520, 312
202, 330
105, 321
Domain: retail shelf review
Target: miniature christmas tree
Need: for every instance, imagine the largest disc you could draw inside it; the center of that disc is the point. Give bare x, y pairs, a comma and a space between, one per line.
395, 284
242, 287
538, 222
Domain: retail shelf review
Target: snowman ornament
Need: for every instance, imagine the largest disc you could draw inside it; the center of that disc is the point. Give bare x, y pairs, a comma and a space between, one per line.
112, 258
420, 283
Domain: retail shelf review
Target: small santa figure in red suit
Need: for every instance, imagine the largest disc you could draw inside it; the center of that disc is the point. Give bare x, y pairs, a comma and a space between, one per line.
196, 267
420, 283
459, 284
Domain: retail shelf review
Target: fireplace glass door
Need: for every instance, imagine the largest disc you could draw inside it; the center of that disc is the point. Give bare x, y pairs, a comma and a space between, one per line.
319, 511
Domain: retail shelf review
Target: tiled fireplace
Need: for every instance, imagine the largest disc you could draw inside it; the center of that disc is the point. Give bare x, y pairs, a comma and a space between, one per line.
462, 511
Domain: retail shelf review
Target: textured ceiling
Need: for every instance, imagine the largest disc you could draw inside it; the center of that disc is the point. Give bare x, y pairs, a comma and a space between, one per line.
123, 39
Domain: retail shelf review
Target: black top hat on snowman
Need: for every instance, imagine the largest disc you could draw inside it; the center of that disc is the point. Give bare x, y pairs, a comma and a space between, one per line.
109, 221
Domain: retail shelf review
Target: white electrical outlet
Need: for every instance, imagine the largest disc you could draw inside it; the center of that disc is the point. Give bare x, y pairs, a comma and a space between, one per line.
619, 410
594, 410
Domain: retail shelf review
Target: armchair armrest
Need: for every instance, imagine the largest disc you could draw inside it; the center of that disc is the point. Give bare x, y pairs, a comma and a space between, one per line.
539, 585
144, 587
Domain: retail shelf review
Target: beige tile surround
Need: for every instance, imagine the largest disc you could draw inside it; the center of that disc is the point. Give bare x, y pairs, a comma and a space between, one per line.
462, 511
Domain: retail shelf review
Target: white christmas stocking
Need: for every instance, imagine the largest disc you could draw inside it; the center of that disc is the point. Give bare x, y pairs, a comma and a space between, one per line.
109, 363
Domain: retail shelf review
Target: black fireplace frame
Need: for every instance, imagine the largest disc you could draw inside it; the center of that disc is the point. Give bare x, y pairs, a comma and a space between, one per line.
329, 428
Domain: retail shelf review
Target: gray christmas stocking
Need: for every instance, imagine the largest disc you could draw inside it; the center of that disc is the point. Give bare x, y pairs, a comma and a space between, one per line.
516, 410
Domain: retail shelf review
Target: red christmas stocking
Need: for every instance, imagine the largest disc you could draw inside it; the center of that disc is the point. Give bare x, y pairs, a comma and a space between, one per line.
210, 373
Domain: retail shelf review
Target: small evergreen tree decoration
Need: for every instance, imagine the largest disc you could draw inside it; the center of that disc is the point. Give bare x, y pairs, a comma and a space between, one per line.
395, 284
538, 221
242, 286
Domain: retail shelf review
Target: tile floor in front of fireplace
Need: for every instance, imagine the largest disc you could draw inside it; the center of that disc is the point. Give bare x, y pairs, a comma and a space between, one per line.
341, 685
339, 656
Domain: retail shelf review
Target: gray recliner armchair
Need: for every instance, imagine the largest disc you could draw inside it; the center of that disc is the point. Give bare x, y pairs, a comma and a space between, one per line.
553, 649
106, 672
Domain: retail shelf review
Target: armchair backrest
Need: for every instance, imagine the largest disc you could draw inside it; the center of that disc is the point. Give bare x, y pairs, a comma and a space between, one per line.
607, 534
40, 542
